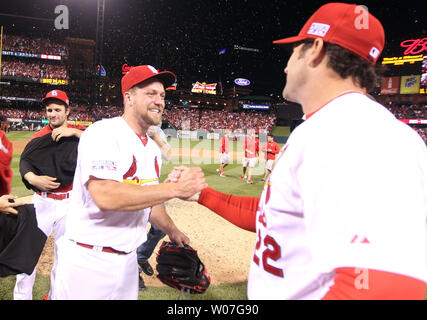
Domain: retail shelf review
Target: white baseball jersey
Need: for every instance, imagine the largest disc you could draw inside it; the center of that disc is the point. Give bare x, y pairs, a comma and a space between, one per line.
110, 149
349, 191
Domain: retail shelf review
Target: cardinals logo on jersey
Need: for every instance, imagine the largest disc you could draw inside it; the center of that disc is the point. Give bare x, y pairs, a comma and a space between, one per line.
156, 167
132, 170
129, 176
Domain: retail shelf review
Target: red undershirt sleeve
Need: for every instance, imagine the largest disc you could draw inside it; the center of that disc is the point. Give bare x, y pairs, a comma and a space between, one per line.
240, 211
369, 284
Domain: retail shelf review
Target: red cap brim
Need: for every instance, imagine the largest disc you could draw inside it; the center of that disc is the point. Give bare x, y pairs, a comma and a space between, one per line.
168, 78
45, 100
132, 78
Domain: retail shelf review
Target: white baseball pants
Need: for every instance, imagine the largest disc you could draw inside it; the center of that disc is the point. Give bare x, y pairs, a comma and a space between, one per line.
51, 216
91, 274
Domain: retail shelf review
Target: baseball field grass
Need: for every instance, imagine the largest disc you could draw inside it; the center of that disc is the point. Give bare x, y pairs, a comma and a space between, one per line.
200, 155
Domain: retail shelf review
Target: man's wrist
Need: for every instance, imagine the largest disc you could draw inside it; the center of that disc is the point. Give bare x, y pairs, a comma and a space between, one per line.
29, 176
171, 191
157, 139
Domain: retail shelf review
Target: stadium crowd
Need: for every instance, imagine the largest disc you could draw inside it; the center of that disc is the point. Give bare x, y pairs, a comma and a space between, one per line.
408, 111
23, 44
183, 118
422, 132
33, 70
179, 117
79, 95
244, 120
24, 91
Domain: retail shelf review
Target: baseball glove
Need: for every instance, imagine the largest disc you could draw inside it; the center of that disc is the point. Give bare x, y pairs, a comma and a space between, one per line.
181, 268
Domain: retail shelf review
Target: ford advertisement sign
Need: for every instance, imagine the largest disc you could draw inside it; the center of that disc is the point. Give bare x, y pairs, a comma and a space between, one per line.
242, 82
256, 106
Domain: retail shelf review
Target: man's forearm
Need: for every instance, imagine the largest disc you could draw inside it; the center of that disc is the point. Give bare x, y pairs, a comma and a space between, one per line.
239, 210
29, 176
116, 196
161, 219
164, 148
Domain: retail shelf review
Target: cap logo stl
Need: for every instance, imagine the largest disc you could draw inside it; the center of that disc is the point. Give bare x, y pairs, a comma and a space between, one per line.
54, 93
374, 52
318, 29
154, 70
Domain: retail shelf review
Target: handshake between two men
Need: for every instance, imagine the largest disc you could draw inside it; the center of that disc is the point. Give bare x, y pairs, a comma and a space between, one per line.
188, 182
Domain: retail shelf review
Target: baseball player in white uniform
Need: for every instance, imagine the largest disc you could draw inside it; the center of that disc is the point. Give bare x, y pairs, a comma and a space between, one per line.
343, 213
116, 192
51, 202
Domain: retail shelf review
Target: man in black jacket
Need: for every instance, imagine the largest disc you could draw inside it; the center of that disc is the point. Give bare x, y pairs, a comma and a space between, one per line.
47, 166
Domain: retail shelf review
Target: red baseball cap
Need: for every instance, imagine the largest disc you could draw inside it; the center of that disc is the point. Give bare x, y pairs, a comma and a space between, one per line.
57, 94
350, 26
141, 73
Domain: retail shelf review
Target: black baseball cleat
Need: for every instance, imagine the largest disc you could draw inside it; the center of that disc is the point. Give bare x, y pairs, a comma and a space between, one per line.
148, 270
141, 284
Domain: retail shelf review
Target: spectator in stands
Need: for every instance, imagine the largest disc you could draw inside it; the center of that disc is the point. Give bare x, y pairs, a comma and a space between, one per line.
34, 45
33, 70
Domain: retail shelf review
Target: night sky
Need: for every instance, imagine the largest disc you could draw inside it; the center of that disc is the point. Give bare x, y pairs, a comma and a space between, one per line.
185, 36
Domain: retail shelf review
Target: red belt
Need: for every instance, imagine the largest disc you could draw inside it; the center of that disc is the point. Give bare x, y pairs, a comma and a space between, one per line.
56, 196
104, 249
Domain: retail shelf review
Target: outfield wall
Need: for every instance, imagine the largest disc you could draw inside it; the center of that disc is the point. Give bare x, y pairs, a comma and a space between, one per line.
280, 137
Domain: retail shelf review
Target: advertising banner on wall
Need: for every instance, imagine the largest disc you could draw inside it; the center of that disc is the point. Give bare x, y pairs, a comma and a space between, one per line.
424, 72
204, 88
397, 61
410, 84
31, 55
84, 123
390, 85
54, 81
256, 106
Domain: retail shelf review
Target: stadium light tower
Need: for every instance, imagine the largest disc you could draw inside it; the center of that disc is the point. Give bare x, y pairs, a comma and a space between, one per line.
99, 32
99, 47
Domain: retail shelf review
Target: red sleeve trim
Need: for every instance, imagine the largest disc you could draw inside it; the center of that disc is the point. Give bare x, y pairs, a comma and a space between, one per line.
77, 126
369, 284
240, 211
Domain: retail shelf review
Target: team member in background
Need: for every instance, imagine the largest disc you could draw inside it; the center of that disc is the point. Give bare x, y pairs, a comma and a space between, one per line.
155, 234
47, 166
271, 148
116, 192
6, 173
224, 156
21, 240
343, 215
251, 146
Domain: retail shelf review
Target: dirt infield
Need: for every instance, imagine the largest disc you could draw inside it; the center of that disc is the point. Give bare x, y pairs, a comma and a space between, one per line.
225, 249
18, 146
